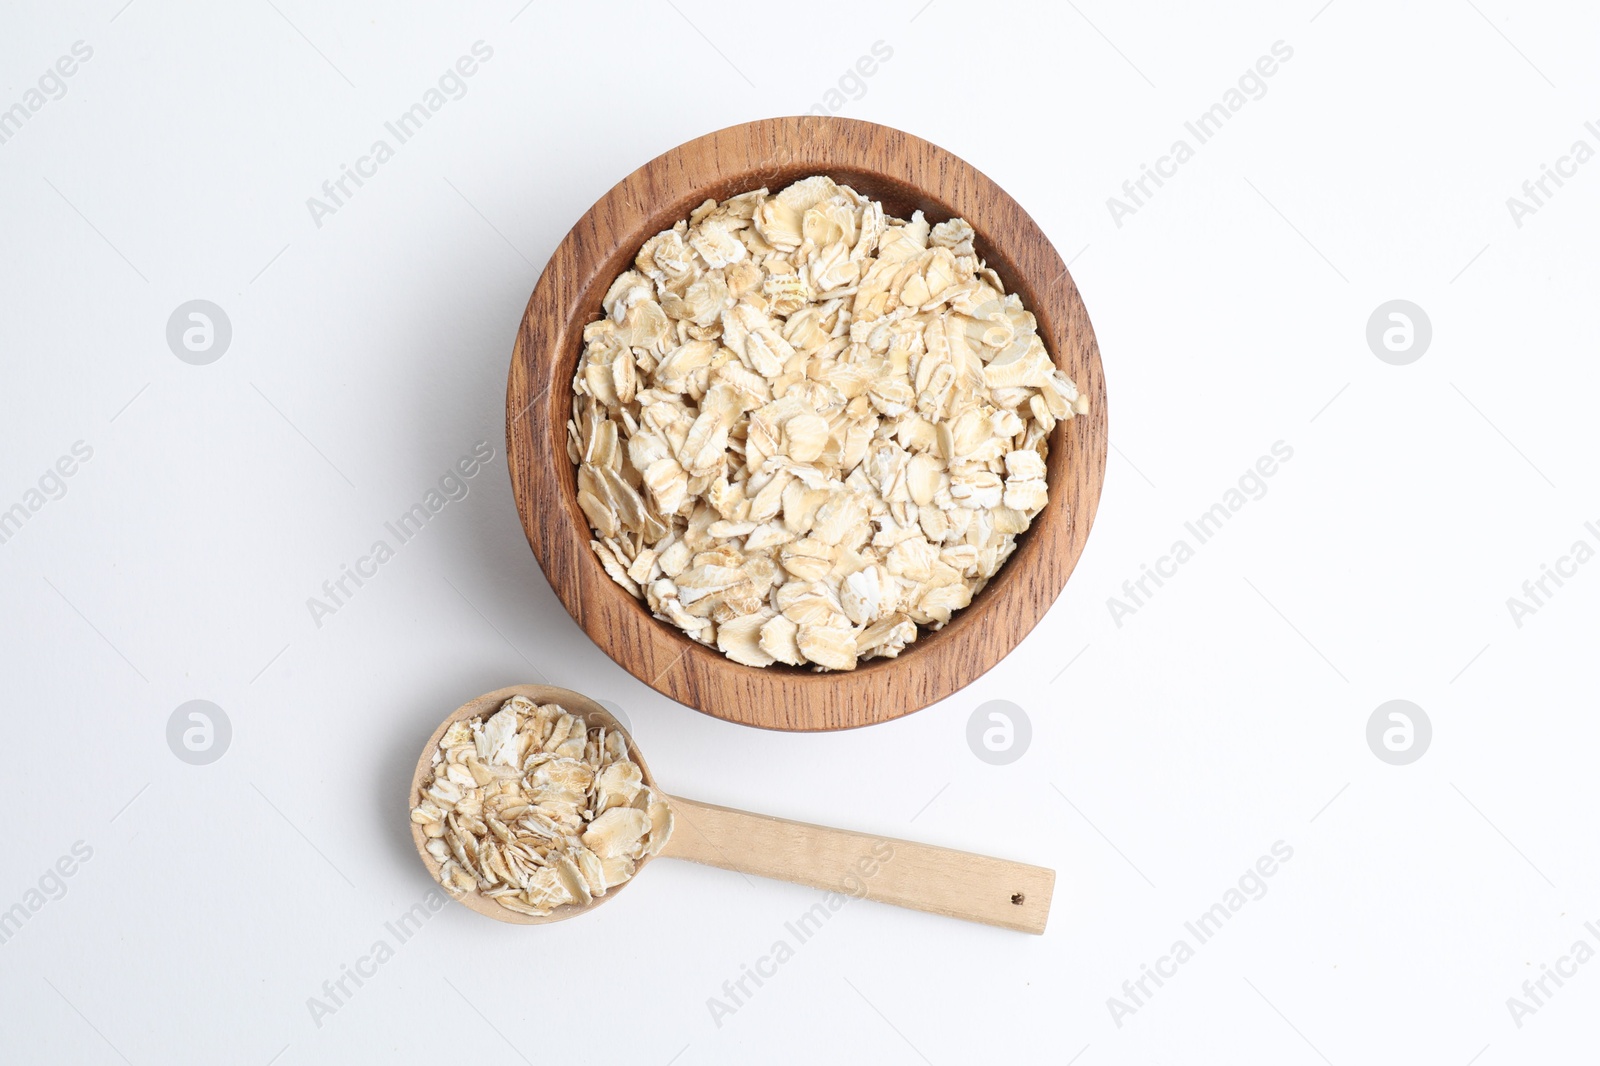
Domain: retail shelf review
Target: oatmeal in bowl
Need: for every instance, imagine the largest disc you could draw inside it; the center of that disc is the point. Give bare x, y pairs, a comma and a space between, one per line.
806, 431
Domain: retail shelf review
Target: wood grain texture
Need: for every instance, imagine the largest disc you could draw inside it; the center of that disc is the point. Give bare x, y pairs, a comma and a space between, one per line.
957, 884
906, 174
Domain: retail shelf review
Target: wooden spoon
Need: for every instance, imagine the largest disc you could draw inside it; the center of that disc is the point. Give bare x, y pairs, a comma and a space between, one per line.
953, 883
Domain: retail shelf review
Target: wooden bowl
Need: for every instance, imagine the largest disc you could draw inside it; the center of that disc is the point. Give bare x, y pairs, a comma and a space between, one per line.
906, 174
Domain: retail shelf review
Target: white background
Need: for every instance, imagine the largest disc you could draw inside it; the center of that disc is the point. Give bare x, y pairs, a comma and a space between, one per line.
1228, 713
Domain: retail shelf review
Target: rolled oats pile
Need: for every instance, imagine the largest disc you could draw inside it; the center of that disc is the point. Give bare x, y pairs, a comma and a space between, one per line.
533, 809
804, 429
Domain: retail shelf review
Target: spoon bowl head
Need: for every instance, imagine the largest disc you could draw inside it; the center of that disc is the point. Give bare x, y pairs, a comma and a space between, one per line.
484, 706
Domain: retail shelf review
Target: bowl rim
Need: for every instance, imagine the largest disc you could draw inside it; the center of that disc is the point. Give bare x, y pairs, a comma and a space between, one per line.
906, 173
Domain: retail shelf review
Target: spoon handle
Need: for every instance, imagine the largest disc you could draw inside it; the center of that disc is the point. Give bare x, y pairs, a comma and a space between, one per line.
926, 878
